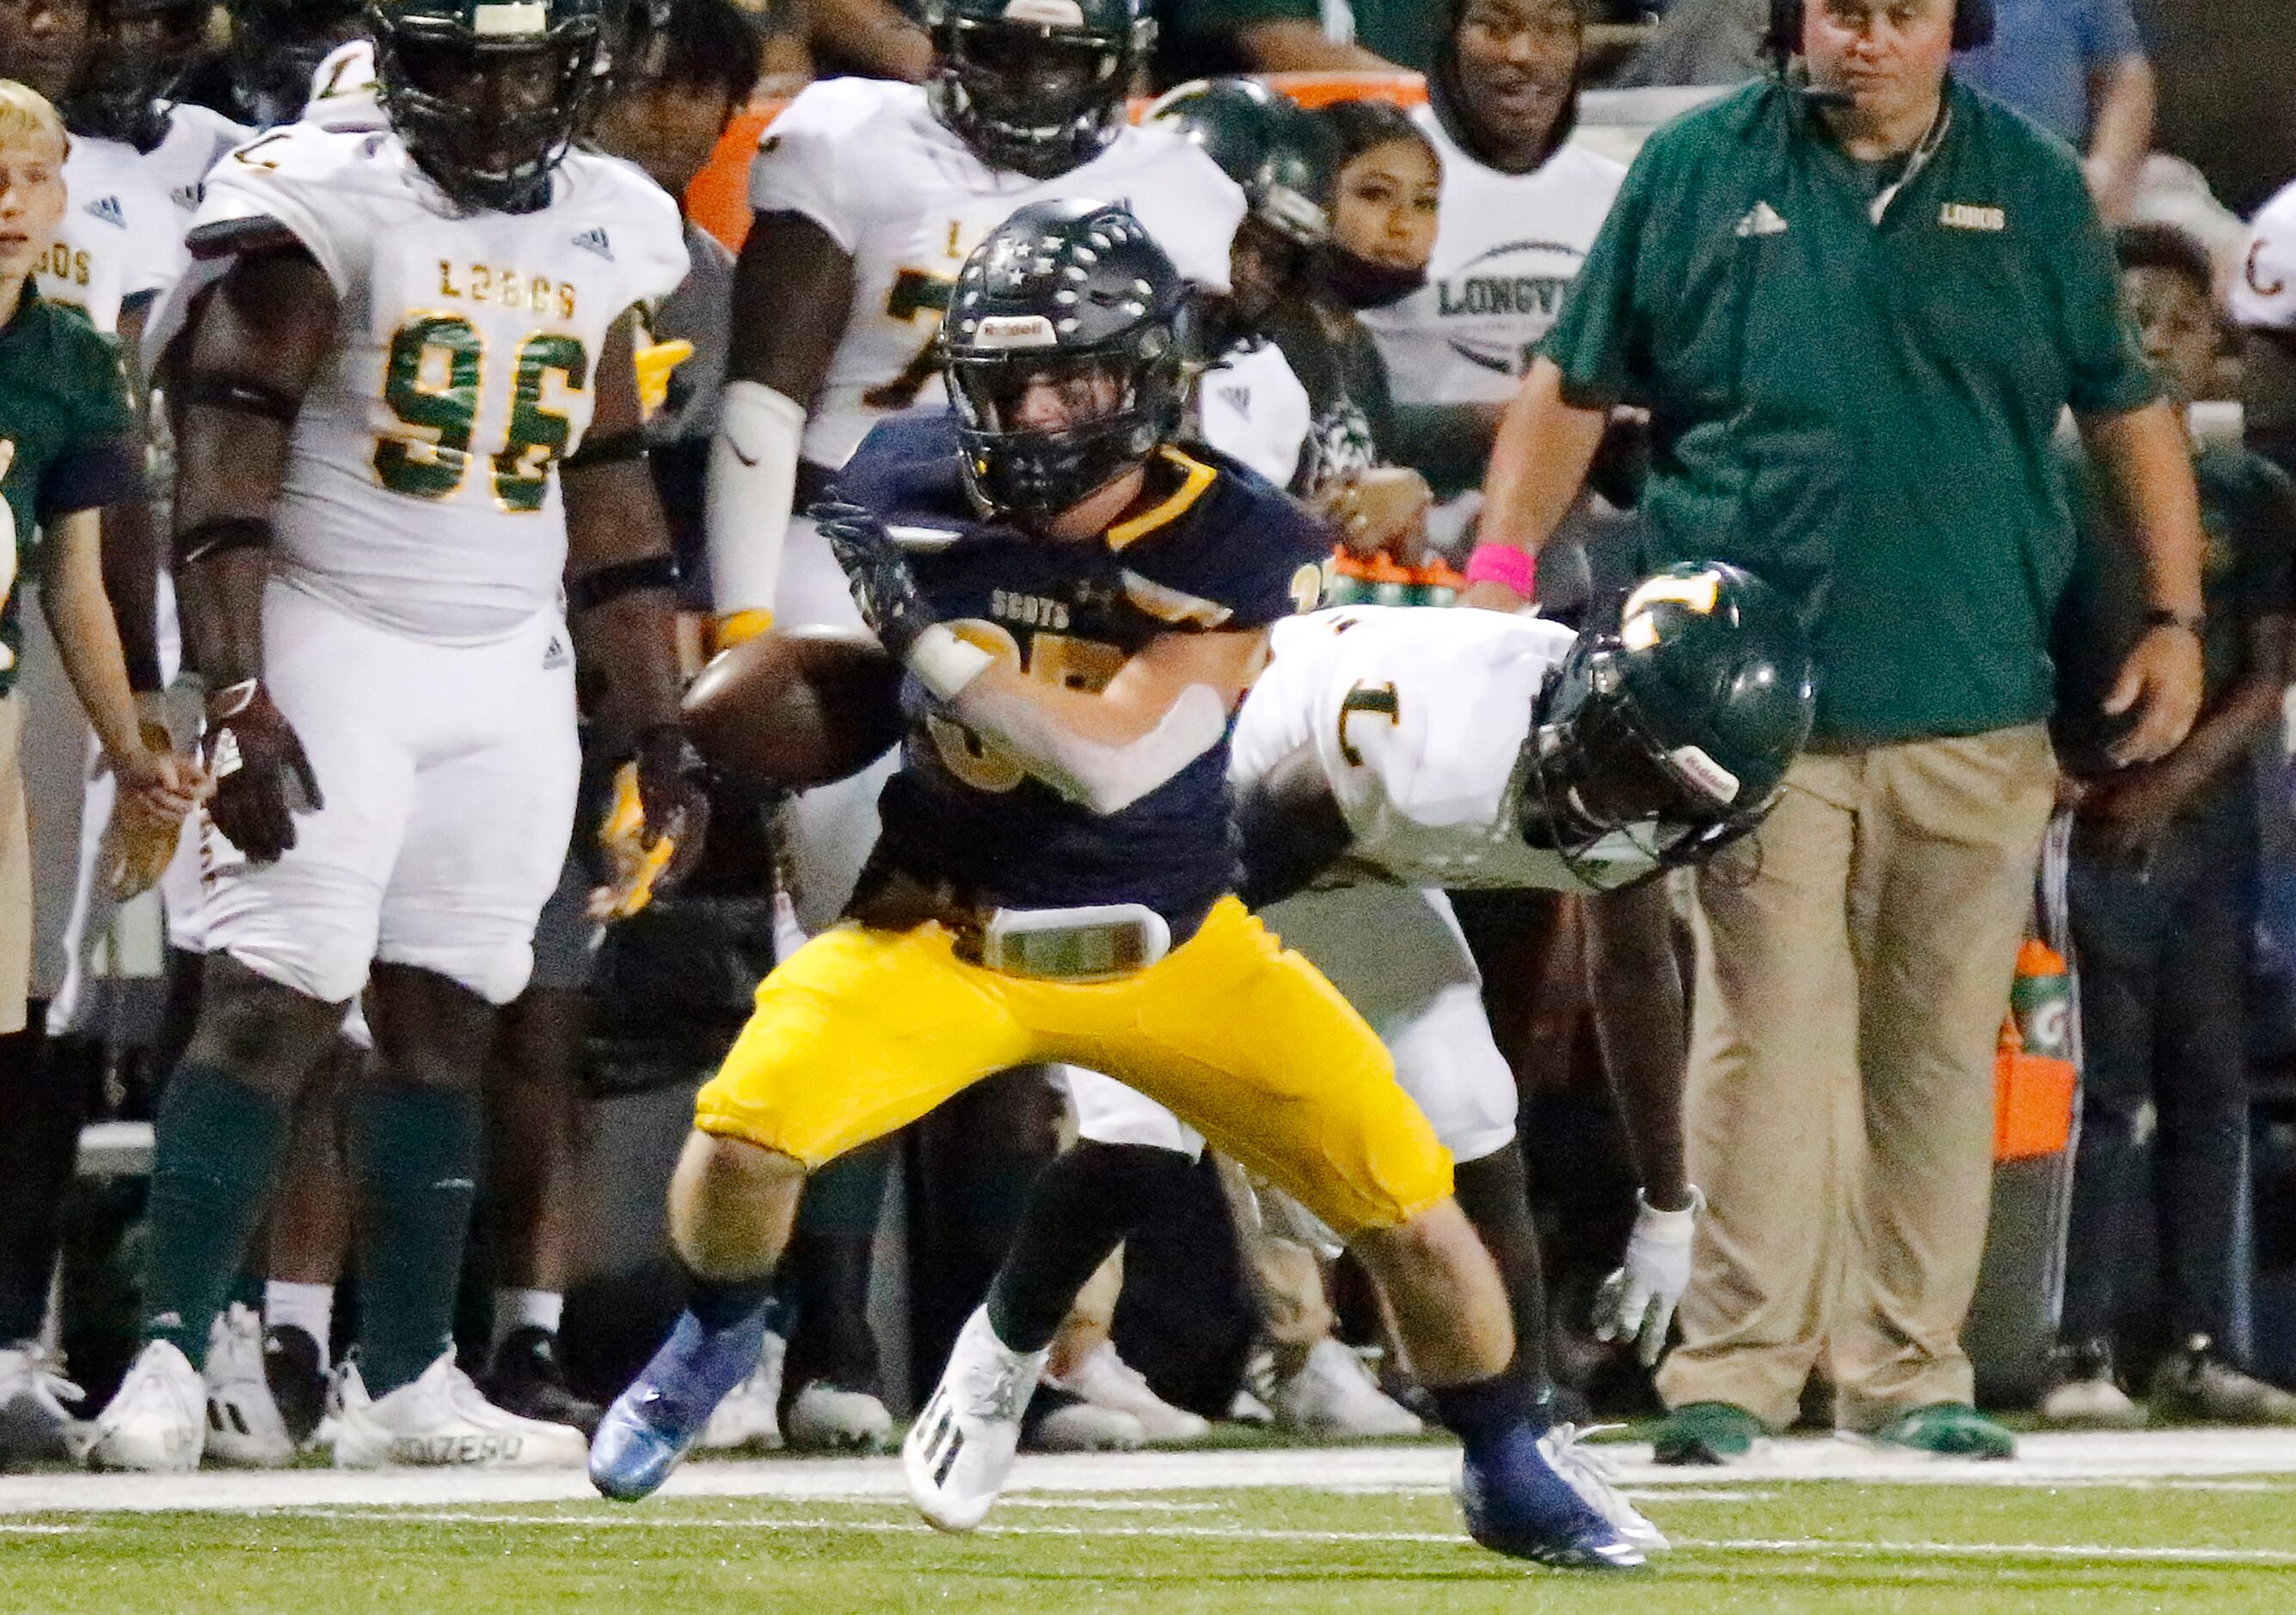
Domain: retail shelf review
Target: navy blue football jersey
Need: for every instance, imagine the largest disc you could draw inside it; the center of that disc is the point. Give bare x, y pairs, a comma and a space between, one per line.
1212, 548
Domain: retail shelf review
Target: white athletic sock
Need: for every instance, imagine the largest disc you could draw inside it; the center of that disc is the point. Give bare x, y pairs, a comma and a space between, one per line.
527, 1309
309, 1308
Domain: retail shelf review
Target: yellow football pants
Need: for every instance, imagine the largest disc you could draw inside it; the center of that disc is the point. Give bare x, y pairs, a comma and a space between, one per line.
863, 1032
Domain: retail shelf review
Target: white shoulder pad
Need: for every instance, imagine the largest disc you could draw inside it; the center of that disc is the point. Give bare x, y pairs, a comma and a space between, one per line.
804, 153
643, 230
2264, 292
318, 184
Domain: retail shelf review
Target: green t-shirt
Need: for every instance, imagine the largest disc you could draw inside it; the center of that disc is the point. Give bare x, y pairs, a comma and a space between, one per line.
67, 436
1197, 37
1862, 413
2248, 570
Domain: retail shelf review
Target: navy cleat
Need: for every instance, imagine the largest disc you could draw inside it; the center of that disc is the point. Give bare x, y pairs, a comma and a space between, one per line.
1517, 1505
657, 1421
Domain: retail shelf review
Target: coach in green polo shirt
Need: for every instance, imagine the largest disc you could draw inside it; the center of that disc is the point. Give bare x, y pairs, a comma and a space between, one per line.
1856, 306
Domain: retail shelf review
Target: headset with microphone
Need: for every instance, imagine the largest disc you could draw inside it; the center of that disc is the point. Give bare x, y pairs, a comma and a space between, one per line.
1973, 27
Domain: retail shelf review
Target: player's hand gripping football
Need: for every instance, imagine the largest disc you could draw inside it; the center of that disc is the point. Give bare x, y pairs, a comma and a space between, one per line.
878, 573
1637, 1303
261, 775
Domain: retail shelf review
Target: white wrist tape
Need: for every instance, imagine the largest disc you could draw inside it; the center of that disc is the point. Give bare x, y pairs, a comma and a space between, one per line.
944, 663
1672, 1227
752, 479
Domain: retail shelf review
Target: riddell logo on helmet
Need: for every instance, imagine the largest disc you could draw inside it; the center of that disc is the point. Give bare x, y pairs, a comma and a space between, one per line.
1016, 330
1056, 13
436, 1450
1705, 772
518, 20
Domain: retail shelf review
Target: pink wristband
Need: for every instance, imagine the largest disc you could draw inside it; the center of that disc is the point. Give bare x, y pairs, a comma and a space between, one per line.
1503, 563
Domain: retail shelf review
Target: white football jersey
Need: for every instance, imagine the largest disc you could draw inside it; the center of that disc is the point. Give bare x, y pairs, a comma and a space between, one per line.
1506, 252
120, 238
1251, 408
866, 160
196, 140
421, 488
2264, 295
1419, 716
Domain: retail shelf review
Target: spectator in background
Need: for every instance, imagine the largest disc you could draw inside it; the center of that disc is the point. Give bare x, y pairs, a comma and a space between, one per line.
2162, 891
2078, 69
1856, 317
1383, 223
1701, 41
1520, 208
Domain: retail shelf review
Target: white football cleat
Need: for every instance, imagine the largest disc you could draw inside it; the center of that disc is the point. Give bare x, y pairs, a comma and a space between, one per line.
1106, 1379
35, 1424
961, 1448
750, 1414
157, 1422
824, 1417
1564, 1447
441, 1422
1333, 1395
1058, 1421
244, 1429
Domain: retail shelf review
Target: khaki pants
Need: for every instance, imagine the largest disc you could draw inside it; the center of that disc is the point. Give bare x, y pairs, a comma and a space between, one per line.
1839, 1108
15, 871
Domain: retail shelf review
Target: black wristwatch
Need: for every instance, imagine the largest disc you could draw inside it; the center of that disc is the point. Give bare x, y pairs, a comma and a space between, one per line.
2168, 616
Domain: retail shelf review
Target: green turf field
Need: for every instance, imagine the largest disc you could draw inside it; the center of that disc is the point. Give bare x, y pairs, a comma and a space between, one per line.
2220, 1545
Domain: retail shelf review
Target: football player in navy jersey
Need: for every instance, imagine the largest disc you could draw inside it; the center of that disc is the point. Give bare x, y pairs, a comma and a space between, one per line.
1080, 603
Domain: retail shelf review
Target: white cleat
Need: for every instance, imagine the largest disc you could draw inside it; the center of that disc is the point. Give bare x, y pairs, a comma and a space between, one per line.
157, 1423
750, 1414
961, 1448
1565, 1449
1106, 1379
244, 1429
1058, 1421
824, 1417
441, 1422
35, 1424
1333, 1396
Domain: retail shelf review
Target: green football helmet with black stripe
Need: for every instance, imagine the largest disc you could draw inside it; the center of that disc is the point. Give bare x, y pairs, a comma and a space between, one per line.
1675, 728
489, 95
1035, 87
1286, 162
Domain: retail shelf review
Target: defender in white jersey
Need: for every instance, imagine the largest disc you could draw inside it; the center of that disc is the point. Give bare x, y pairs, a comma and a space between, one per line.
417, 334
1521, 207
1389, 752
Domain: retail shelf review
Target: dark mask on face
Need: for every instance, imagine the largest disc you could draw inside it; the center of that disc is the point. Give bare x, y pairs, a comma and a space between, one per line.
1361, 284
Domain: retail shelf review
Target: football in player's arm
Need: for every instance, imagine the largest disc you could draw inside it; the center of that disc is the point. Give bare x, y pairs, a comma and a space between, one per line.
1056, 880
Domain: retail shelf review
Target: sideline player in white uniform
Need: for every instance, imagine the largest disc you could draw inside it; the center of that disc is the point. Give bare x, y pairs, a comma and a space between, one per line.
414, 330
868, 195
2264, 306
1389, 752
1521, 206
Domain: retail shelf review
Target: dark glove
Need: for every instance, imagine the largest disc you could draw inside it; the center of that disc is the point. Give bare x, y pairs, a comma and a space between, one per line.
258, 765
673, 792
878, 573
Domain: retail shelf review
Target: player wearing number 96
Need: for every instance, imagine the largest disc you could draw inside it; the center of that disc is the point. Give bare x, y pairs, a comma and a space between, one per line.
1079, 601
409, 418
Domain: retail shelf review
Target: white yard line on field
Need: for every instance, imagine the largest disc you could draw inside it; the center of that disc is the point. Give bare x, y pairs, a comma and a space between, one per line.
2141, 1457
1791, 1547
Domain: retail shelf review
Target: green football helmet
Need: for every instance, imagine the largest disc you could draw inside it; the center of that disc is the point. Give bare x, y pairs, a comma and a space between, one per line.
1675, 729
139, 51
1287, 163
1035, 87
489, 95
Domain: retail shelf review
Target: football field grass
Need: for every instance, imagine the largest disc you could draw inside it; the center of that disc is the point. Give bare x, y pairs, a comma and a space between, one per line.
1300, 1531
